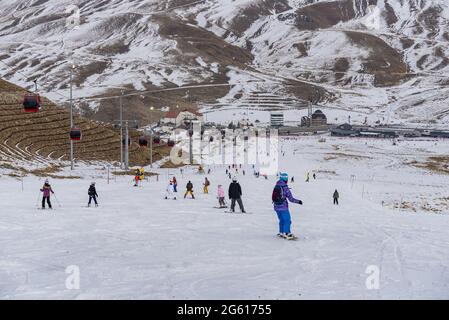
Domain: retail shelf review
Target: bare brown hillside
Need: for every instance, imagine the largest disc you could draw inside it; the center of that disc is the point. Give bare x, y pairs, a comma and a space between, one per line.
43, 137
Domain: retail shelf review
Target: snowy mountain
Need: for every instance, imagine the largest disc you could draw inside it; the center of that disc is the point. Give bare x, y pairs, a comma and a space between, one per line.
381, 59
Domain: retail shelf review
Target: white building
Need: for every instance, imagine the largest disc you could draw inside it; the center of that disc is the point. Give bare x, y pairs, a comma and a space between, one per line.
181, 118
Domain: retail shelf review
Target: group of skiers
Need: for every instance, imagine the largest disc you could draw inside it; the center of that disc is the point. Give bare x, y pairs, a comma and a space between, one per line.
47, 191
234, 192
281, 196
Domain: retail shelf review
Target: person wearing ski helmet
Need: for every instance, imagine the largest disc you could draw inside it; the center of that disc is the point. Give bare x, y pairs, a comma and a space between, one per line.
281, 196
46, 190
92, 192
170, 191
189, 190
221, 196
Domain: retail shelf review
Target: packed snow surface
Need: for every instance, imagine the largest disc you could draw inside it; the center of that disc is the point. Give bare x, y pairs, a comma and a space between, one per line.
137, 245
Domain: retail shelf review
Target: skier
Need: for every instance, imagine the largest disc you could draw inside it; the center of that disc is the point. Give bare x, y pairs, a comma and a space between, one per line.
314, 176
46, 189
170, 191
189, 188
293, 180
221, 196
281, 196
137, 178
235, 194
336, 196
206, 186
92, 192
308, 177
175, 185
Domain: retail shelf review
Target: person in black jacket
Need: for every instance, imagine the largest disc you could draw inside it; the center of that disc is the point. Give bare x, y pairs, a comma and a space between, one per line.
92, 192
189, 190
235, 194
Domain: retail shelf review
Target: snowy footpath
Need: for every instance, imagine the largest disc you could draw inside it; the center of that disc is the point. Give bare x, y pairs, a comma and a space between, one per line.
137, 245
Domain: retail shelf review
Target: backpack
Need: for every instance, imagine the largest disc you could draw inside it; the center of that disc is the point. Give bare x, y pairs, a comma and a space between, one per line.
278, 197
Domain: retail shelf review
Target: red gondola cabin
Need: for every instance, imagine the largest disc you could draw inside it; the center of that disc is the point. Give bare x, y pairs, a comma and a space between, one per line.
31, 103
156, 140
75, 134
143, 142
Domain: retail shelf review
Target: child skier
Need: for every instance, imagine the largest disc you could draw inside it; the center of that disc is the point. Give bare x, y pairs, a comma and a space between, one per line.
189, 188
47, 190
175, 185
206, 186
281, 196
221, 196
170, 192
137, 178
92, 192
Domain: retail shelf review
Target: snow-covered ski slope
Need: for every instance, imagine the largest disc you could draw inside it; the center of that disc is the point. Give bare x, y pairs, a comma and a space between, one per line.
138, 246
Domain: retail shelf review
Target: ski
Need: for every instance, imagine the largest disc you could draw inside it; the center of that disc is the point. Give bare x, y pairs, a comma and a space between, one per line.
242, 213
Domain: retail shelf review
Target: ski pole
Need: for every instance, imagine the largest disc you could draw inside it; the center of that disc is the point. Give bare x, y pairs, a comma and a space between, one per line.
57, 201
38, 198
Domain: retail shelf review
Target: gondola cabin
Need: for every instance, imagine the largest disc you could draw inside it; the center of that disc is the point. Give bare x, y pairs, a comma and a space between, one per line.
31, 103
143, 142
124, 141
75, 134
156, 140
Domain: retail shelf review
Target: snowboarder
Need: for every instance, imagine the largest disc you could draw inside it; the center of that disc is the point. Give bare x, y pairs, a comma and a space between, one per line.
281, 196
46, 190
189, 188
206, 186
170, 191
221, 196
175, 185
235, 194
336, 196
92, 192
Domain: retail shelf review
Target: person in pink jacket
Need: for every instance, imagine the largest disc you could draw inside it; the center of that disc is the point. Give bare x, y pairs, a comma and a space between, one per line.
221, 196
46, 190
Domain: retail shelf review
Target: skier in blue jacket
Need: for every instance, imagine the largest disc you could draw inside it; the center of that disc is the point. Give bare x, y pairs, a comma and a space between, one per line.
281, 197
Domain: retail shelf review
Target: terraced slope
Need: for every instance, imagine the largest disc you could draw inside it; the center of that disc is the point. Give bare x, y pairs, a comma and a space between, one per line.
43, 138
